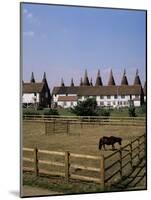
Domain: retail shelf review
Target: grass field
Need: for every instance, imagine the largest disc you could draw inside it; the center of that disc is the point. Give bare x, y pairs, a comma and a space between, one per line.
82, 141
85, 140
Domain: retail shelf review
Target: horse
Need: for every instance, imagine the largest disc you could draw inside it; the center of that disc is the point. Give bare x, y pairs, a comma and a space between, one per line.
109, 141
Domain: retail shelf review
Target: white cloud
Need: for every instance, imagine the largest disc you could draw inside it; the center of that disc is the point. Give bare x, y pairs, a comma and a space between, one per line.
29, 33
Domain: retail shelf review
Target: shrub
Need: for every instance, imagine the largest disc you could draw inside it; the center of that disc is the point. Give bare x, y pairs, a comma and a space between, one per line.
86, 108
104, 112
132, 112
51, 112
39, 108
30, 112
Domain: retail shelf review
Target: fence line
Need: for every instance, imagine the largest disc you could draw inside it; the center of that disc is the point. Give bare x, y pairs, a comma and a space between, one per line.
102, 170
88, 118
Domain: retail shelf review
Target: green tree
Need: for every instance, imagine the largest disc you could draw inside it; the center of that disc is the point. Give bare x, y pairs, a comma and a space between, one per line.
131, 111
86, 108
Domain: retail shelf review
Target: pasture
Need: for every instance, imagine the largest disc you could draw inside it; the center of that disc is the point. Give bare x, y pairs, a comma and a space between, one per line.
83, 140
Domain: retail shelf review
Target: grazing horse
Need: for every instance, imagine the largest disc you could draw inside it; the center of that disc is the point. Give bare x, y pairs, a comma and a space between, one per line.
109, 141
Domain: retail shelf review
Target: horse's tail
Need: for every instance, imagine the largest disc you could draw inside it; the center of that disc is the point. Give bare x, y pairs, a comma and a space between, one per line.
100, 144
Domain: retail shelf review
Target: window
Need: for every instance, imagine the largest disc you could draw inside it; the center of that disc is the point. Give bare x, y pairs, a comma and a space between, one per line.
115, 96
122, 96
64, 103
136, 96
108, 96
113, 102
125, 103
108, 103
101, 103
71, 103
101, 97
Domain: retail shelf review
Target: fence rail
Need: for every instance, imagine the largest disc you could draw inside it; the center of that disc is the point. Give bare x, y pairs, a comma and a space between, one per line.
80, 117
67, 125
104, 170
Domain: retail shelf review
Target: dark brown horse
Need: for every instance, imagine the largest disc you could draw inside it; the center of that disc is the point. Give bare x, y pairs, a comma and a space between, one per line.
109, 141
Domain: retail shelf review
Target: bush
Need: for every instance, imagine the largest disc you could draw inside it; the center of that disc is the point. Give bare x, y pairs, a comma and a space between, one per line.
30, 112
39, 108
51, 112
132, 112
104, 112
86, 108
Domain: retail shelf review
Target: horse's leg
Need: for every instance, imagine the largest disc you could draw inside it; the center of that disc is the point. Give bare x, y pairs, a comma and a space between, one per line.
104, 146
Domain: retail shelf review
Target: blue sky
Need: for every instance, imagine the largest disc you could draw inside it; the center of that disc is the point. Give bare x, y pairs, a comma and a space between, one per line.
64, 41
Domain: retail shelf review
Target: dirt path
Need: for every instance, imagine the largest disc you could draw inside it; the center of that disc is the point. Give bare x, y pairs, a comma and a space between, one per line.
36, 191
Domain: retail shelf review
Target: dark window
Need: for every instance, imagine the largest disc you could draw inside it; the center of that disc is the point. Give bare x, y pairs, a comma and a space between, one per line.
122, 96
108, 96
101, 97
108, 103
115, 96
101, 103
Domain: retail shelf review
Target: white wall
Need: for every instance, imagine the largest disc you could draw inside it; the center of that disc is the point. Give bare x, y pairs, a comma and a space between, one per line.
29, 98
68, 104
112, 101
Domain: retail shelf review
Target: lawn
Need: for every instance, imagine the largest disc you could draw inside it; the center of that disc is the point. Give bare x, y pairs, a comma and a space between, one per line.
122, 112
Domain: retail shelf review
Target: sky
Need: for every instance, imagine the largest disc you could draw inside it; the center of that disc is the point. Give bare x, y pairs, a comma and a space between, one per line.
63, 41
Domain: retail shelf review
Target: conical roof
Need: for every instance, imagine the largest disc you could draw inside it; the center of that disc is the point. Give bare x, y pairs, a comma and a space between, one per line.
98, 79
81, 82
111, 79
32, 80
91, 83
62, 83
124, 80
72, 83
86, 80
137, 80
44, 77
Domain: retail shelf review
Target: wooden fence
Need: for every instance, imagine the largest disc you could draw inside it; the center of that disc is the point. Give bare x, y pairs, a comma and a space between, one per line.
69, 125
81, 118
98, 169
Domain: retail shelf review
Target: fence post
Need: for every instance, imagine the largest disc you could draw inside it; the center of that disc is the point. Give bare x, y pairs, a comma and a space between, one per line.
102, 172
36, 161
67, 154
131, 159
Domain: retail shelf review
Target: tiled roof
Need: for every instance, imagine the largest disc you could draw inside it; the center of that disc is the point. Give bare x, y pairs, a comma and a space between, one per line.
32, 87
99, 90
67, 98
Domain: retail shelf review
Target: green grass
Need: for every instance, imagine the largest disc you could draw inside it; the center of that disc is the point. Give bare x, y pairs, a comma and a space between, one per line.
59, 184
122, 112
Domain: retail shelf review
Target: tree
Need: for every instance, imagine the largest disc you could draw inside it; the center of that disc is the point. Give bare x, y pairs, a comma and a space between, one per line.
131, 111
86, 108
